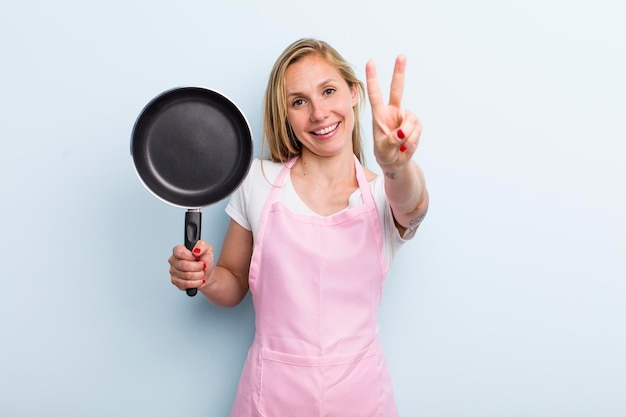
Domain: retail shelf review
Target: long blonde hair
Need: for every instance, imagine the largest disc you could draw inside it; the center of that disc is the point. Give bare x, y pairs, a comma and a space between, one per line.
277, 132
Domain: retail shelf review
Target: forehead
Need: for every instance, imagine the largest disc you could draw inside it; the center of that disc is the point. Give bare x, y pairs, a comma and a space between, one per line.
310, 70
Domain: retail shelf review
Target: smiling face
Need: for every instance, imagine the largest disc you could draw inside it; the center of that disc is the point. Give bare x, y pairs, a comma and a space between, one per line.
320, 106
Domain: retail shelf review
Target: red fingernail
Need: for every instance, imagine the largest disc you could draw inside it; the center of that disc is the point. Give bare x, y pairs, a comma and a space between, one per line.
400, 134
197, 258
196, 250
403, 148
204, 266
203, 281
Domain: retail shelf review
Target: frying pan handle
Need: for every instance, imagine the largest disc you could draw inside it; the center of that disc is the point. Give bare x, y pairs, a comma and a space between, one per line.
193, 227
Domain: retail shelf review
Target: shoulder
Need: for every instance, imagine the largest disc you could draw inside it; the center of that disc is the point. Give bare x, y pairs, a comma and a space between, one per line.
392, 241
258, 182
247, 201
263, 169
370, 175
261, 175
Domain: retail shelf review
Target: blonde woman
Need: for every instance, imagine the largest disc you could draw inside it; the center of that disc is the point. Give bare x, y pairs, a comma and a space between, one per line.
312, 235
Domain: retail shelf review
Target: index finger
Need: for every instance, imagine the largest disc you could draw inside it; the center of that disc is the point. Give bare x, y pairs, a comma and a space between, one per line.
373, 87
397, 82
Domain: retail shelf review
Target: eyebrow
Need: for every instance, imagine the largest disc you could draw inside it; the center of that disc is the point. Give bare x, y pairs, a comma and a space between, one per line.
323, 83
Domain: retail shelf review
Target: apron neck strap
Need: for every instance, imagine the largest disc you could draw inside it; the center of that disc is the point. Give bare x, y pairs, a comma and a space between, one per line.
360, 177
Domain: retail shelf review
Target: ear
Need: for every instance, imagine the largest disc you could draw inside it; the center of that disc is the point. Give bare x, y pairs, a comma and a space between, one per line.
355, 94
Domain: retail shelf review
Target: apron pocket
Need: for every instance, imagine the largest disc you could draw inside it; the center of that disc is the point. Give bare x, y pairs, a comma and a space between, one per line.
345, 385
354, 389
289, 386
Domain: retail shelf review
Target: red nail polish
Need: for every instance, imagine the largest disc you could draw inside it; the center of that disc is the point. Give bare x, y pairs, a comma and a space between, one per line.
197, 258
203, 281
196, 250
400, 134
403, 148
204, 266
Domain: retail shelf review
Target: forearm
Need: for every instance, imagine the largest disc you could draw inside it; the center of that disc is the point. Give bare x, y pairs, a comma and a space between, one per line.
223, 288
406, 192
227, 283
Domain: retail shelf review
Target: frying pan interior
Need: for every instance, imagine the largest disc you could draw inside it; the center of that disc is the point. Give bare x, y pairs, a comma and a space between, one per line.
191, 147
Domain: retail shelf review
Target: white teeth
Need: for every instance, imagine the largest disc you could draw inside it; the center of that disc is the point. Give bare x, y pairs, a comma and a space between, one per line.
326, 129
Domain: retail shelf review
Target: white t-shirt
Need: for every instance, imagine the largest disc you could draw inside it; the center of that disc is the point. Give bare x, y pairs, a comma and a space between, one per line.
246, 204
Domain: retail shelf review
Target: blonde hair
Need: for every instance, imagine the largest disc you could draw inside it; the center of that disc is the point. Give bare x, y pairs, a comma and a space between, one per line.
277, 132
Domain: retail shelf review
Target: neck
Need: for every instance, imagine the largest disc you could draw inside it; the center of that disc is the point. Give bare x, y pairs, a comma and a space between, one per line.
327, 170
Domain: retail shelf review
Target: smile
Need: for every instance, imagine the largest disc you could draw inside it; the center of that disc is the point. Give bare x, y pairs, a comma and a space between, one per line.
326, 130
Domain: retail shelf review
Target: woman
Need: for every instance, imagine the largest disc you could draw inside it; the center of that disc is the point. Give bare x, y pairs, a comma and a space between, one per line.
312, 234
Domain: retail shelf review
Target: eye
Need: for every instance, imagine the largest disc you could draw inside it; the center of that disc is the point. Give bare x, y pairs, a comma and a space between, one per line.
297, 102
329, 91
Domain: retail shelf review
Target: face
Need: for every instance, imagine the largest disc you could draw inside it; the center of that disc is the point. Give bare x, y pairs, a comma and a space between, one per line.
320, 106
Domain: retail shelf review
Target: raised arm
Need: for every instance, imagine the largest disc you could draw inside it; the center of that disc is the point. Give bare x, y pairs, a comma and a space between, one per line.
396, 136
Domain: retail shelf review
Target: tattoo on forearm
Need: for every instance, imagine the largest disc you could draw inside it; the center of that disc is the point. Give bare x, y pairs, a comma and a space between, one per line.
416, 221
390, 175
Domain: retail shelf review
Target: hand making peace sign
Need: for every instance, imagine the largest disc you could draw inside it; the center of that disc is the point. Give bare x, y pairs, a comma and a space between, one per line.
396, 131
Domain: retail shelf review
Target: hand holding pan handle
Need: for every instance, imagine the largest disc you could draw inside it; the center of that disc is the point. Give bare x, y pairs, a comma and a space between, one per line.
193, 228
191, 147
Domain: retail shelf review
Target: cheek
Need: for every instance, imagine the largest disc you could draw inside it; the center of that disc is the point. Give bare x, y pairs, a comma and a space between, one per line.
292, 120
296, 120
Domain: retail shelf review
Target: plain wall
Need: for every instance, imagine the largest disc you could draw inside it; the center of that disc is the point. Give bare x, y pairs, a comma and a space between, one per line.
511, 299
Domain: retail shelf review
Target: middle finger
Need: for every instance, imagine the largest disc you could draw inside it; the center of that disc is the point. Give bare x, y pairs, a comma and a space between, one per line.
397, 82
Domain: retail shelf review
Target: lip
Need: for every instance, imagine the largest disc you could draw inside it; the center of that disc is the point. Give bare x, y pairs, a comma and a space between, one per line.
326, 131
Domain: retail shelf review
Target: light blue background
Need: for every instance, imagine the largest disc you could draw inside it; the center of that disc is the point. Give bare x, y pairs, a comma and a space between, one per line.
509, 302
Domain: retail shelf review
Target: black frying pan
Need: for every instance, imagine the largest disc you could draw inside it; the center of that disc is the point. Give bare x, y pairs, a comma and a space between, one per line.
192, 147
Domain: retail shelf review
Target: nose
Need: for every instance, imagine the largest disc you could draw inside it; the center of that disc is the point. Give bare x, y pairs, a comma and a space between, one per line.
319, 111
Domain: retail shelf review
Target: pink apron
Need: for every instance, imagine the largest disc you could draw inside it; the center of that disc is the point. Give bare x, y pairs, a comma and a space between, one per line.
316, 284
